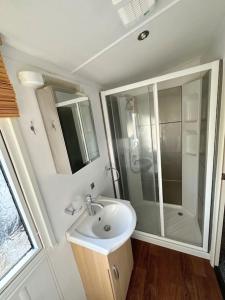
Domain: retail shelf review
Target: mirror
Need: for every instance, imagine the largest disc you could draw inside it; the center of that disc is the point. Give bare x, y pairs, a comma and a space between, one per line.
69, 125
76, 119
78, 129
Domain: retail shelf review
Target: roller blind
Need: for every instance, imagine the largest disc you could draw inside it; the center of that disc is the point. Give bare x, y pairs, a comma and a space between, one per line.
8, 105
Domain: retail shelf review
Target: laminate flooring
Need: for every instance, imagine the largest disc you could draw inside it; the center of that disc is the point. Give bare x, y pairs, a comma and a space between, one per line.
163, 274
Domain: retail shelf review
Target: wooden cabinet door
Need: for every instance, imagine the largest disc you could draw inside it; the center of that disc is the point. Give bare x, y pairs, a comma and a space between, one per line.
94, 272
121, 265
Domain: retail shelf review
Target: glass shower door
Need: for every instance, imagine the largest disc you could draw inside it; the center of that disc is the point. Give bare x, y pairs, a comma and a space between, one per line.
183, 121
133, 133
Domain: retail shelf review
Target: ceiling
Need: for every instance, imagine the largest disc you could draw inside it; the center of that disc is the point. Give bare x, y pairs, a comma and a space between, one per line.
87, 37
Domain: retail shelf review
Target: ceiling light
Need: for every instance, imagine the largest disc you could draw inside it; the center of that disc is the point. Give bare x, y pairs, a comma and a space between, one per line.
143, 35
31, 79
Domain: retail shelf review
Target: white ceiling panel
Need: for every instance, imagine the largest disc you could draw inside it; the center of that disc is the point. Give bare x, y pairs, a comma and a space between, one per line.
181, 34
87, 36
65, 32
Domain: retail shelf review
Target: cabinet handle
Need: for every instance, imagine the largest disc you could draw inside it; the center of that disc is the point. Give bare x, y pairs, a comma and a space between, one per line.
116, 272
53, 125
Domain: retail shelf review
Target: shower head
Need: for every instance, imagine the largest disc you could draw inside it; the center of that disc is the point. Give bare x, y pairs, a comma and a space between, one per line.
131, 105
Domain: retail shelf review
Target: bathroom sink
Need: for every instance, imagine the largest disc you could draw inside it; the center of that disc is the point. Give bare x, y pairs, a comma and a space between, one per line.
108, 229
111, 221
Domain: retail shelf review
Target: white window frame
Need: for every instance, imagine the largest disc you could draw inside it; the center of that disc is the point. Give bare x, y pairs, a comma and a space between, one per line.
23, 178
23, 211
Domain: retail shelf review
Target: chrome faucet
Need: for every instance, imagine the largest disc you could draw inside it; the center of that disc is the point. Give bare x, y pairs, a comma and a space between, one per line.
90, 205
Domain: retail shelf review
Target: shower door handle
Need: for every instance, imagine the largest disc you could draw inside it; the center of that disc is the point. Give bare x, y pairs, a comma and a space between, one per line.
117, 174
223, 176
113, 169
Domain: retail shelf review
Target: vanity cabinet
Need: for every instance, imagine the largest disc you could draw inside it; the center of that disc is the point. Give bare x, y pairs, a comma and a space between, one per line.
105, 276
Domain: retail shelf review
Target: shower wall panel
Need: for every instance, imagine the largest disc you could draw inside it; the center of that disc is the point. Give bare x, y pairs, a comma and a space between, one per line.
117, 140
144, 109
170, 111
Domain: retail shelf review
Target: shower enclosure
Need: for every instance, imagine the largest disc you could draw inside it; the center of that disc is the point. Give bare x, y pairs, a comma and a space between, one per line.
161, 135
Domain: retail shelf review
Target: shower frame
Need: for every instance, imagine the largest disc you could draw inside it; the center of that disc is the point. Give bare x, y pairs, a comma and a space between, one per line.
211, 128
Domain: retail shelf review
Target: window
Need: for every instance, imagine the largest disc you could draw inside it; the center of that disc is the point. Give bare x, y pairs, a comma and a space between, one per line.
19, 241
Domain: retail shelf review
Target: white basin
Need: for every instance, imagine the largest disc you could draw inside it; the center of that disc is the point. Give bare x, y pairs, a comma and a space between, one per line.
108, 229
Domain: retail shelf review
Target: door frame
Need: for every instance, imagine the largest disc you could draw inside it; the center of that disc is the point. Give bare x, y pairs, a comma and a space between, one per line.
214, 68
219, 190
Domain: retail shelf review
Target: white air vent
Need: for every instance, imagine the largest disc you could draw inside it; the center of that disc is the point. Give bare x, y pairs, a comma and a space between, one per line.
132, 10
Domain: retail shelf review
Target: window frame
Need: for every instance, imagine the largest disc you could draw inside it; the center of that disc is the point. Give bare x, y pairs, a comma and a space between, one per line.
23, 210
19, 154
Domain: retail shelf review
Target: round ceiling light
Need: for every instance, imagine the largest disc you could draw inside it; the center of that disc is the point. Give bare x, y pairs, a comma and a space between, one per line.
143, 35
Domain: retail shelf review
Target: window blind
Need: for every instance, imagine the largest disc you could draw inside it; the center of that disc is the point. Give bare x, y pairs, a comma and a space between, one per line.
8, 105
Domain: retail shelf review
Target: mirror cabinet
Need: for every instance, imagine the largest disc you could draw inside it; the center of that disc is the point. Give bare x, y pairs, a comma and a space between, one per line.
69, 124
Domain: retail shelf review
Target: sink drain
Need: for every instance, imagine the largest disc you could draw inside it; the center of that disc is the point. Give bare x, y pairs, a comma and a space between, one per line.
107, 227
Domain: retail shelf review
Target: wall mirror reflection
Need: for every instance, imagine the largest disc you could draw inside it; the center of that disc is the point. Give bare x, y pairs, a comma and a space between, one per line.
69, 124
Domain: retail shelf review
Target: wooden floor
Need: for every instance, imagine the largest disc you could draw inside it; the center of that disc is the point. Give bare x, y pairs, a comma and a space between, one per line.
164, 274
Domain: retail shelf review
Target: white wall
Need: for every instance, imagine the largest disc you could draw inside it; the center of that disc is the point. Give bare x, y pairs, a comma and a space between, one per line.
58, 190
39, 284
216, 47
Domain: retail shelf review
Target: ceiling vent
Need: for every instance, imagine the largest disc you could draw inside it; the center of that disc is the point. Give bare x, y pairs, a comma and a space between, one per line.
131, 10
